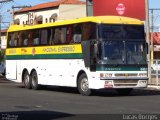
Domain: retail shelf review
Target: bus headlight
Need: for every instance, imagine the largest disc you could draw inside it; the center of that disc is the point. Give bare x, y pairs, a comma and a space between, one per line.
142, 81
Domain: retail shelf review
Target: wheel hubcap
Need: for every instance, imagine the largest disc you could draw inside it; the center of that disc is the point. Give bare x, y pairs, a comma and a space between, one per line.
84, 84
34, 80
26, 79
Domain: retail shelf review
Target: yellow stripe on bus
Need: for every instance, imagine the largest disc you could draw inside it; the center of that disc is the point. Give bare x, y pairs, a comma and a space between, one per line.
57, 49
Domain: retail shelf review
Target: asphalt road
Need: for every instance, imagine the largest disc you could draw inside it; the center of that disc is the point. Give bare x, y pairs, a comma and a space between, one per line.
18, 103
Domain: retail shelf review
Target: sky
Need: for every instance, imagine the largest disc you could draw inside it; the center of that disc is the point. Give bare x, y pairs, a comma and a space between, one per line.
7, 17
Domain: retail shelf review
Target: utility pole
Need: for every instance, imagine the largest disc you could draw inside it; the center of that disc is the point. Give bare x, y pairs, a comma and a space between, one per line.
148, 39
152, 30
13, 7
1, 2
89, 7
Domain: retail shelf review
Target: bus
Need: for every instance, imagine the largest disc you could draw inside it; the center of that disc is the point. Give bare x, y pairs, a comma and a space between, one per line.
90, 53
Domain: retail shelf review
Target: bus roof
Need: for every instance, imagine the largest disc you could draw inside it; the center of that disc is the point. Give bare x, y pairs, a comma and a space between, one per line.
97, 19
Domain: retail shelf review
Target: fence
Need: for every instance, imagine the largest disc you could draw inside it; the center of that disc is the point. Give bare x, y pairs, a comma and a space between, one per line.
155, 73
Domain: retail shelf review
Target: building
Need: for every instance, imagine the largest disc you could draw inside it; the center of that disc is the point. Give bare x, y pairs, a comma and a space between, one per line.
50, 12
3, 39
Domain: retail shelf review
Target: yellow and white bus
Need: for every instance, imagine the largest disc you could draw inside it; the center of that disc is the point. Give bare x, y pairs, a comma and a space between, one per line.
104, 52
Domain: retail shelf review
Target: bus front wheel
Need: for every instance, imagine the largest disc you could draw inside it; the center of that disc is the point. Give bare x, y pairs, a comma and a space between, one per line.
34, 80
83, 85
26, 80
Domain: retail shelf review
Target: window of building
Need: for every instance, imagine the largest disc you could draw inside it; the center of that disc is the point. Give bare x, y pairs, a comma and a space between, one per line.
39, 19
46, 20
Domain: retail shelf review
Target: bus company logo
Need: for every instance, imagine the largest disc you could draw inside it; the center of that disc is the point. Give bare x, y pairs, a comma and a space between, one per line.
24, 50
33, 51
120, 8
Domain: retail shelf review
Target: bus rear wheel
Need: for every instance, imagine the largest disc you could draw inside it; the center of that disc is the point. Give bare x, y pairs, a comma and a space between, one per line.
34, 80
83, 85
26, 80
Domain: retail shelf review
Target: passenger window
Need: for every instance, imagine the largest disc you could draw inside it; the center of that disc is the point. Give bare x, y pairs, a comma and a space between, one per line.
63, 35
44, 36
35, 36
88, 31
13, 39
51, 36
77, 37
27, 38
57, 36
69, 34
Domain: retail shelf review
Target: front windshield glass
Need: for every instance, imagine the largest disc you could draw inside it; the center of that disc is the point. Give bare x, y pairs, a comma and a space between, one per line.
122, 45
136, 53
122, 32
112, 52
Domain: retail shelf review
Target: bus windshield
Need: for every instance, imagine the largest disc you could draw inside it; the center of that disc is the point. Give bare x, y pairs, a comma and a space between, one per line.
121, 32
127, 48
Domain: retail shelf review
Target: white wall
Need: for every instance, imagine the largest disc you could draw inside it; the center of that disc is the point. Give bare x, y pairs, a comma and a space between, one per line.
65, 11
46, 14
71, 11
3, 42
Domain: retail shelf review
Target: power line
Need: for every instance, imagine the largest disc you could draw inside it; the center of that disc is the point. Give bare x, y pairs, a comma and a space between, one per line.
13, 7
4, 1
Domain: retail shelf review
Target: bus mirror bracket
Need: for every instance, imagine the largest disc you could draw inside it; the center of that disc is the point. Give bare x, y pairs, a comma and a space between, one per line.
88, 50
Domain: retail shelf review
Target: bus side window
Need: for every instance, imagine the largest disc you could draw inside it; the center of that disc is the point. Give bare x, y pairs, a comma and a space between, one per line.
9, 39
51, 36
25, 38
77, 37
13, 39
69, 34
63, 35
20, 38
87, 31
16, 39
57, 36
30, 38
60, 35
44, 36
35, 36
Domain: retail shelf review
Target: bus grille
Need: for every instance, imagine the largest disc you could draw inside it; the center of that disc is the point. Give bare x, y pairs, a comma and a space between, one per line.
125, 74
125, 82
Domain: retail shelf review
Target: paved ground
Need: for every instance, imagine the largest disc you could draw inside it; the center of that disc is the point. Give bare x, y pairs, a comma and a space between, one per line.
50, 103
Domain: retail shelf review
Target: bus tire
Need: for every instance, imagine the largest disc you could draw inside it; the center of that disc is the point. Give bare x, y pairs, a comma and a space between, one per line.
26, 80
34, 80
83, 85
124, 91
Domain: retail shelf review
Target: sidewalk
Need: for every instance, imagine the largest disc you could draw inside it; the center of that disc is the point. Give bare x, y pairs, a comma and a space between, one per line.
153, 87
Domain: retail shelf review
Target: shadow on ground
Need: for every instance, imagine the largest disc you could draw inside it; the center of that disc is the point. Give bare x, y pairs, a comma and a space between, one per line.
52, 115
101, 93
33, 115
